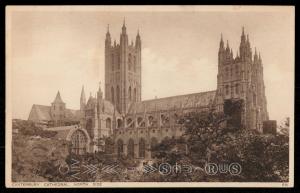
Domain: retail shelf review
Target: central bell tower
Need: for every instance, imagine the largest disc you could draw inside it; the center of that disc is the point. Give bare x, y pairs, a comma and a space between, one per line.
122, 70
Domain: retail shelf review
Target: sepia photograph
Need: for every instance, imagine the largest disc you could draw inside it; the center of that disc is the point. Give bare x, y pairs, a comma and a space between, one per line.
149, 96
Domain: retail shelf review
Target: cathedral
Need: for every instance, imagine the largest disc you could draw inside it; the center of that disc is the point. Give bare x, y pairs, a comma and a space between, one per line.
136, 125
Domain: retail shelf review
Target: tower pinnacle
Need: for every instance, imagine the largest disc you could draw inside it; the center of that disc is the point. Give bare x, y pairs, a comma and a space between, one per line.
82, 99
58, 98
124, 27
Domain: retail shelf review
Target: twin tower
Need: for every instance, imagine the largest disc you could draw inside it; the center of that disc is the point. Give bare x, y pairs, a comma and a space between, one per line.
122, 70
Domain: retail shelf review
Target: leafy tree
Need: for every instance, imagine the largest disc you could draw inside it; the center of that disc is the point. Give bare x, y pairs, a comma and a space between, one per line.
213, 137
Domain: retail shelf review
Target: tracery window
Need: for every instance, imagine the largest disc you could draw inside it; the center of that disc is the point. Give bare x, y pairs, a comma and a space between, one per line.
79, 142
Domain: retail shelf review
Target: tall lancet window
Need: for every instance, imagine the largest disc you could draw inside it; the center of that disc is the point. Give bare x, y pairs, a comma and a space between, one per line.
237, 71
112, 62
118, 62
237, 88
112, 95
129, 62
134, 64
134, 95
118, 95
129, 93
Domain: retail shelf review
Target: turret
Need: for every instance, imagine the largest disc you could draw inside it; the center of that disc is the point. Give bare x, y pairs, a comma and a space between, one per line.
245, 48
108, 38
221, 51
227, 47
255, 58
123, 36
259, 59
82, 99
138, 43
58, 108
99, 93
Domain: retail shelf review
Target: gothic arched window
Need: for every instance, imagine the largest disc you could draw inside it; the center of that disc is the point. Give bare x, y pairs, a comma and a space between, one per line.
119, 123
134, 95
142, 148
108, 123
112, 95
227, 73
153, 144
120, 147
79, 142
237, 71
112, 62
118, 95
237, 88
227, 89
129, 93
118, 62
129, 62
130, 148
134, 64
254, 99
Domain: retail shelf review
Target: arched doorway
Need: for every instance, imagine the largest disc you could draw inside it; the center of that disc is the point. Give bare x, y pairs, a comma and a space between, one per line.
79, 142
120, 147
130, 148
142, 148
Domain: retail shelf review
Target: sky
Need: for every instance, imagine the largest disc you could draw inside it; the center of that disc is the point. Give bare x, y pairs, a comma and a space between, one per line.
62, 48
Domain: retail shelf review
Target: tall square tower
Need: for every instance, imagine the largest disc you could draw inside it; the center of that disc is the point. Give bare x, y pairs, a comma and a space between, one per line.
122, 71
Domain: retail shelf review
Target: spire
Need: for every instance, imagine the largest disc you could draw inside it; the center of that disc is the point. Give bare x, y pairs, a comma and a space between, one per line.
227, 47
99, 93
138, 40
124, 27
58, 98
243, 37
82, 99
107, 33
107, 39
99, 86
221, 42
82, 96
255, 55
259, 58
107, 29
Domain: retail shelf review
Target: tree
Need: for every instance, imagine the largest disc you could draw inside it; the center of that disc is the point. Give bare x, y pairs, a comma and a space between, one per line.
212, 138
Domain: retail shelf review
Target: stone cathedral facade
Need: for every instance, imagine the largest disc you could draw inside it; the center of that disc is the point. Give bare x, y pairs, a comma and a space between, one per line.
136, 125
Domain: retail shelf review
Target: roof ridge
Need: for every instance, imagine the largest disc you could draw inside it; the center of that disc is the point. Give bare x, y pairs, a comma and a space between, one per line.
177, 96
